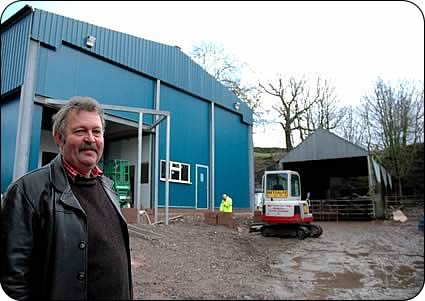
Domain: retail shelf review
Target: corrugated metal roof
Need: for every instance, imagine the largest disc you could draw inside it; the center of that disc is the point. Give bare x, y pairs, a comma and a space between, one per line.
160, 61
322, 145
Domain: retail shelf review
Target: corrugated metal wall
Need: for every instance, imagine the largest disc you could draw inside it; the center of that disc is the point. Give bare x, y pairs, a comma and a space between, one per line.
85, 74
9, 125
14, 46
157, 60
189, 141
62, 73
231, 159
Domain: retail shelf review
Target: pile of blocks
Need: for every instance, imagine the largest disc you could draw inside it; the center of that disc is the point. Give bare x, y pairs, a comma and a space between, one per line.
257, 216
130, 215
220, 218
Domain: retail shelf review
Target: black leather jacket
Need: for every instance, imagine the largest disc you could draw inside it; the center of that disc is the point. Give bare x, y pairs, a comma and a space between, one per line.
43, 238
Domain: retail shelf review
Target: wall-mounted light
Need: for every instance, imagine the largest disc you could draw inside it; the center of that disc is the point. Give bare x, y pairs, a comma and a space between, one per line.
237, 105
90, 40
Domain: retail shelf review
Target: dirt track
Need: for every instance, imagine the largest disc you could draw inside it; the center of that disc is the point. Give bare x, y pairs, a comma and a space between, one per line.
189, 259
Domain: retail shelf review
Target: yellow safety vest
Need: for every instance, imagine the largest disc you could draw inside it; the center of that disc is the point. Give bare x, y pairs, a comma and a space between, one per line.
226, 205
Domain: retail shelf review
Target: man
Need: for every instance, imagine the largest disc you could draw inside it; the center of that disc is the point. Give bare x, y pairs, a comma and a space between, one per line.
62, 232
226, 204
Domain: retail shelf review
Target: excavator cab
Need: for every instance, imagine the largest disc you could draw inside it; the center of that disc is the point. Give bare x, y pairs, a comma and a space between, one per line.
282, 186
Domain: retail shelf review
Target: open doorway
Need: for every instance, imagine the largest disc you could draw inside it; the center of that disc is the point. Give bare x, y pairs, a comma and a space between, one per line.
120, 143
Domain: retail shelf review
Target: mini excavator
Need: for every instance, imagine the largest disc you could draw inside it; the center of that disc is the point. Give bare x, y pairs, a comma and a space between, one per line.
283, 213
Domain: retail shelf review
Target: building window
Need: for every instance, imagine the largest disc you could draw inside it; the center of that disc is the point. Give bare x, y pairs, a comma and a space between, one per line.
179, 172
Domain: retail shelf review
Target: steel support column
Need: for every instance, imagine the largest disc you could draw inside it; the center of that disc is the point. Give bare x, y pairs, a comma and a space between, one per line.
212, 156
167, 171
157, 162
26, 107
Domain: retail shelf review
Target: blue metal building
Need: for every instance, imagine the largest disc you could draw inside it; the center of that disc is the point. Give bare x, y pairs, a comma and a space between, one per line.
48, 58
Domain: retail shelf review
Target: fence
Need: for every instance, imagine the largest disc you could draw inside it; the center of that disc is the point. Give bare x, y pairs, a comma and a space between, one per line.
342, 209
412, 205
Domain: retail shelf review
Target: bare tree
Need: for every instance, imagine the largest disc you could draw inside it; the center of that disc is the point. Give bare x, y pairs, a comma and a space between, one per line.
395, 116
228, 70
325, 112
215, 61
353, 127
294, 101
305, 107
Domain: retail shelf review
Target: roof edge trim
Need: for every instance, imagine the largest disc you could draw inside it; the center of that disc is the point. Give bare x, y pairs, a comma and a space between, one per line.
26, 10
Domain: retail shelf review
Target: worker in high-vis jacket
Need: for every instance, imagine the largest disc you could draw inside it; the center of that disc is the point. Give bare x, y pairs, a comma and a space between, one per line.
226, 204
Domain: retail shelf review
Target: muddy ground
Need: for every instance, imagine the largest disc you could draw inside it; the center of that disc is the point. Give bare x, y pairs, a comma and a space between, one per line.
188, 259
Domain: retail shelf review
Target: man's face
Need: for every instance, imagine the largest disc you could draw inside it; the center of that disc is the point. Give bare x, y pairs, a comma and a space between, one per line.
82, 144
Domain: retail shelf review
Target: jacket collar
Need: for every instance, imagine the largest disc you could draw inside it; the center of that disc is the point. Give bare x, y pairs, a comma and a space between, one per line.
59, 180
58, 175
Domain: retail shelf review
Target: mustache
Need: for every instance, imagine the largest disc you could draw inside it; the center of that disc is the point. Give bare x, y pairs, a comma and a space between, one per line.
85, 146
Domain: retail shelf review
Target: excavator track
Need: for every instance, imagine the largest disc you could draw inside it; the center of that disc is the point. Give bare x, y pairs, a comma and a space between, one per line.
315, 230
301, 231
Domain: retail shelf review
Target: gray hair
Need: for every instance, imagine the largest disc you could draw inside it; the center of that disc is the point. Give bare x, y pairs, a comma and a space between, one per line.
76, 103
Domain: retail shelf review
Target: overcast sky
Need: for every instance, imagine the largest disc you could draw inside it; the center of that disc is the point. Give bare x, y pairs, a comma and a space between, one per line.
349, 43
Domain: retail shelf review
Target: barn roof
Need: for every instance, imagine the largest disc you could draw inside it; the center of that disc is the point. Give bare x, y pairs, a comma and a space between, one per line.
322, 145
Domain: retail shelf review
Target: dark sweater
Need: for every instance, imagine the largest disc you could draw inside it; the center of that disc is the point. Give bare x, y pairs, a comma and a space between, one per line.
107, 258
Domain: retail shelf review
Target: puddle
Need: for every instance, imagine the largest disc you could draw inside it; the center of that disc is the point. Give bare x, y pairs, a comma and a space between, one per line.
346, 280
402, 276
375, 261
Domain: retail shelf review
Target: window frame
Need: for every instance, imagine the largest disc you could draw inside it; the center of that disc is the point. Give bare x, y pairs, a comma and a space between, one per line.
295, 179
175, 168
